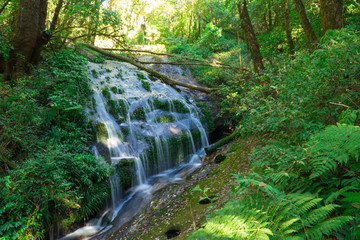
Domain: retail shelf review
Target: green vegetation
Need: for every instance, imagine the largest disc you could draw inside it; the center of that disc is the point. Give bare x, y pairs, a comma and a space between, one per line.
139, 114
125, 168
146, 85
288, 72
47, 174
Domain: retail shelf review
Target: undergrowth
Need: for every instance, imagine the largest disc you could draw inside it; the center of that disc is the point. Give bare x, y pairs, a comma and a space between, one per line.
304, 181
47, 174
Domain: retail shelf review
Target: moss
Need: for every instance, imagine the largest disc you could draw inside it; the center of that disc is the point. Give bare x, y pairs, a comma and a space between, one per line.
207, 120
119, 76
106, 92
94, 73
125, 169
139, 114
107, 78
152, 78
125, 131
140, 75
101, 131
165, 119
123, 109
162, 105
117, 90
146, 85
180, 107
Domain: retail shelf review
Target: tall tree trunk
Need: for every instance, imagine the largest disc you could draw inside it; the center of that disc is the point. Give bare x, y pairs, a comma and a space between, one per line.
28, 37
331, 12
287, 26
309, 31
250, 37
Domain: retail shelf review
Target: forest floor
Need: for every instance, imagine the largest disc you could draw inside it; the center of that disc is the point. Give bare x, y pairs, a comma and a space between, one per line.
176, 208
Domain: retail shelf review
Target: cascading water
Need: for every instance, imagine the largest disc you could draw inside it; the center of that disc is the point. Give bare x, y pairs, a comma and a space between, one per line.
149, 128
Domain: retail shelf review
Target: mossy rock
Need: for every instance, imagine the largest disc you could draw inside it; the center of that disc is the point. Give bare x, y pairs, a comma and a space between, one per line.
146, 85
101, 131
117, 90
106, 92
140, 75
126, 171
139, 114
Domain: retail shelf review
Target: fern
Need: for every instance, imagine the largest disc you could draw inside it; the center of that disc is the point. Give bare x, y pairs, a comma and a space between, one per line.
265, 212
336, 145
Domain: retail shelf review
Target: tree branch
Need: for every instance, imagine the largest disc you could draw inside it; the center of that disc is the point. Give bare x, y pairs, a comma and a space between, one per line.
162, 77
203, 62
3, 7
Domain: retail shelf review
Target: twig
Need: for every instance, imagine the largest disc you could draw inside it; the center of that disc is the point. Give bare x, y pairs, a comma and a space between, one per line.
339, 104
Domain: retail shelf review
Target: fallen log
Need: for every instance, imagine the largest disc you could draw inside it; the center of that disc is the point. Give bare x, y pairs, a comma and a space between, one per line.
213, 147
152, 72
187, 63
204, 62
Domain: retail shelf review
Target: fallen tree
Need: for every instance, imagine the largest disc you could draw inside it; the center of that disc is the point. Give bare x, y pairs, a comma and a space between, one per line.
194, 61
152, 72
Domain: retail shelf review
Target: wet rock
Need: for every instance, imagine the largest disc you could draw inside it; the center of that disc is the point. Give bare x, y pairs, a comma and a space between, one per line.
103, 151
219, 158
172, 232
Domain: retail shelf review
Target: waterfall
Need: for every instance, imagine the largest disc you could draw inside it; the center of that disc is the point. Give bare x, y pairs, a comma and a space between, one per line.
149, 128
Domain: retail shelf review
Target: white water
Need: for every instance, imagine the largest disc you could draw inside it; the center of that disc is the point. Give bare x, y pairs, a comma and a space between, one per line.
157, 131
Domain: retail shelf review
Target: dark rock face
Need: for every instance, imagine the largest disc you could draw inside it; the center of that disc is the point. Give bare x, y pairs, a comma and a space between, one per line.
172, 232
103, 151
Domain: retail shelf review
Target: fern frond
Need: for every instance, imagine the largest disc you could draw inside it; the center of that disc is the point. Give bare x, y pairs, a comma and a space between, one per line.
352, 197
328, 226
338, 193
335, 145
318, 215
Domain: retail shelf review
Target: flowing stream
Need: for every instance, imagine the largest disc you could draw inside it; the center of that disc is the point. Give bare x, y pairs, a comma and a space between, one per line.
153, 134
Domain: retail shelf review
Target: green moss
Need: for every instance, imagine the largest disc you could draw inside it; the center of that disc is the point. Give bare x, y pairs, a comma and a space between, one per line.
140, 75
126, 172
138, 114
152, 78
125, 131
180, 107
119, 76
101, 131
107, 78
94, 73
106, 92
165, 119
146, 85
117, 90
162, 105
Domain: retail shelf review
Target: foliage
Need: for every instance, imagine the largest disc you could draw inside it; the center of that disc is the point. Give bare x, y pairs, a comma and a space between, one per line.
282, 202
47, 174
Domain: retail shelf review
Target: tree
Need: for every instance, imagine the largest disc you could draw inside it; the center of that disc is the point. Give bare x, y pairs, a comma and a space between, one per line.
250, 37
331, 12
28, 37
287, 26
309, 31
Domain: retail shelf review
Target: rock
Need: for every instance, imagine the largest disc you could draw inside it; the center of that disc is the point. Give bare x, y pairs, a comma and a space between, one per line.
103, 151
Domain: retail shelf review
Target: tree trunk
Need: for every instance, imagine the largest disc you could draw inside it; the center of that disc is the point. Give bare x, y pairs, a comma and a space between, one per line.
309, 31
154, 73
331, 14
287, 26
250, 37
28, 37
